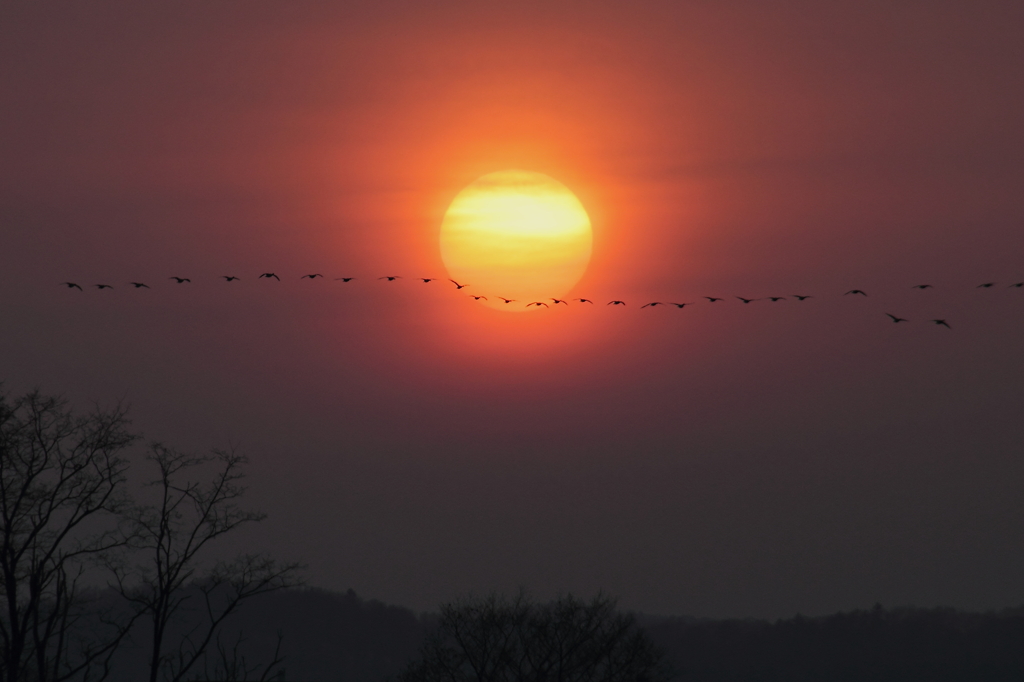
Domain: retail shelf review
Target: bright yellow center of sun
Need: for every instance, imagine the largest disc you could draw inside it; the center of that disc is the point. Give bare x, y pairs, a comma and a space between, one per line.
518, 235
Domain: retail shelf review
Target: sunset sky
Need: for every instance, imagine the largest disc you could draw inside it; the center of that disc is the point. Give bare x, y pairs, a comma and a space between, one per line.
414, 445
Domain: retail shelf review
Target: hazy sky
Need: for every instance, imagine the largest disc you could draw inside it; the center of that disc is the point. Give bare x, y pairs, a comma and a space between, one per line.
411, 444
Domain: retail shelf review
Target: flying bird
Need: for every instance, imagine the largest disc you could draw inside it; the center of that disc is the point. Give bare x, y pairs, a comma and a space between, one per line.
103, 286
854, 291
584, 300
680, 305
457, 285
507, 300
922, 286
180, 280
1018, 285
897, 320
71, 285
775, 299
139, 285
746, 300
390, 278
801, 298
268, 275
538, 304
651, 305
616, 303
426, 279
556, 301
986, 285
477, 298
713, 299
313, 276
229, 278
943, 323
344, 279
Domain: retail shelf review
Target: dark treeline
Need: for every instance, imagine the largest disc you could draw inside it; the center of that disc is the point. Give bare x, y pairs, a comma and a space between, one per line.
333, 637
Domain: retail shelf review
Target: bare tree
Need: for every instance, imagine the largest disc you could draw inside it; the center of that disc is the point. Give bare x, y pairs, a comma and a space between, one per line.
176, 579
62, 479
495, 639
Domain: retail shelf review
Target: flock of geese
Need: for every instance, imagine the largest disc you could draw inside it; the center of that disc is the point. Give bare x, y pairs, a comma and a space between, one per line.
554, 302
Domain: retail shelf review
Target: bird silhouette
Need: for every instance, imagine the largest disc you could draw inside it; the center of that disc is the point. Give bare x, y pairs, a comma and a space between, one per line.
616, 303
538, 304
477, 298
746, 300
1018, 285
229, 278
713, 299
507, 300
426, 279
457, 285
897, 320
103, 286
71, 285
775, 299
922, 286
801, 298
651, 305
344, 279
313, 276
180, 280
986, 285
139, 285
268, 275
390, 278
556, 301
680, 305
943, 323
584, 300
854, 291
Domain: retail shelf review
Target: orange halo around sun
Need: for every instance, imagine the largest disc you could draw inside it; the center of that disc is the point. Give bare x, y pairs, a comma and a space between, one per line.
516, 234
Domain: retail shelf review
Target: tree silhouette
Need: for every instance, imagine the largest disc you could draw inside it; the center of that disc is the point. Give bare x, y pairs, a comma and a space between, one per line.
174, 534
495, 639
62, 480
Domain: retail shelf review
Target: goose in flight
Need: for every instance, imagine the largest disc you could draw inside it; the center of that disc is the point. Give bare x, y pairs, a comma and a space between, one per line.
1018, 285
712, 299
390, 278
268, 275
538, 304
426, 279
680, 305
746, 300
854, 291
556, 301
943, 323
477, 298
651, 305
616, 303
139, 285
457, 285
344, 279
507, 300
181, 280
897, 320
775, 299
71, 285
229, 278
584, 300
922, 286
986, 285
103, 286
801, 298
313, 276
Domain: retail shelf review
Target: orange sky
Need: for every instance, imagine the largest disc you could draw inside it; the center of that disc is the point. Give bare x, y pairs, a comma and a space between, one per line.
720, 149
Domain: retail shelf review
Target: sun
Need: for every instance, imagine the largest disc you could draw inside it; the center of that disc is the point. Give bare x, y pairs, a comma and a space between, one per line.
519, 235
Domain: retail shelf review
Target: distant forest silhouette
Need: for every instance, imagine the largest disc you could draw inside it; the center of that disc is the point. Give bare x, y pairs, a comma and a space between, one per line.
170, 611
